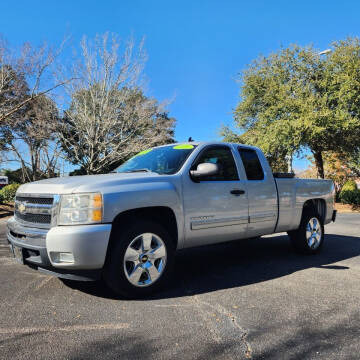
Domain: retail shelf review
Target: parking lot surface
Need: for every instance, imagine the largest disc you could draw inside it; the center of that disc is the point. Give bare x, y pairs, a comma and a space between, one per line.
252, 298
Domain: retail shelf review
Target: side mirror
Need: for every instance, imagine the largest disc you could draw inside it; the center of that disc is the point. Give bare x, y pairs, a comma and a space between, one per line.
204, 169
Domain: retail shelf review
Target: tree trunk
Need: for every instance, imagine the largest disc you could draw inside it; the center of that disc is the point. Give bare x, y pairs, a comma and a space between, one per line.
319, 164
25, 174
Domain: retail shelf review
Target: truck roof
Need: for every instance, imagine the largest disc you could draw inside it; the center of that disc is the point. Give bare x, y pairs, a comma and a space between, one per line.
197, 143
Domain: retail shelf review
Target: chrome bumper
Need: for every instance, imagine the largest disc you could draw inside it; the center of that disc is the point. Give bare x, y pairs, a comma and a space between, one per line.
87, 243
32, 239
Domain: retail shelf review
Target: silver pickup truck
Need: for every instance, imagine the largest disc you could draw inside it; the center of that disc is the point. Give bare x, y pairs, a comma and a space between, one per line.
125, 227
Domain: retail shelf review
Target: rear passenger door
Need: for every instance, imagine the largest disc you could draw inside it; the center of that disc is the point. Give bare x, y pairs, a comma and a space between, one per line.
262, 196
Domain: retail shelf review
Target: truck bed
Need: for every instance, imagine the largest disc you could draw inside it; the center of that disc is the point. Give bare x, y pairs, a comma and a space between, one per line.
292, 193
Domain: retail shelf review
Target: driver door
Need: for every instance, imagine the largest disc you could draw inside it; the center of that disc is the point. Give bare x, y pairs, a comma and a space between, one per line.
216, 207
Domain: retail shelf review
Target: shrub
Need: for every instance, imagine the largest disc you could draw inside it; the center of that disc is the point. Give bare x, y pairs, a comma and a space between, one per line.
7, 193
349, 193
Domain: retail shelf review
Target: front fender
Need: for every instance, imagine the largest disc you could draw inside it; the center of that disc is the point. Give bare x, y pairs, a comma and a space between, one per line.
150, 194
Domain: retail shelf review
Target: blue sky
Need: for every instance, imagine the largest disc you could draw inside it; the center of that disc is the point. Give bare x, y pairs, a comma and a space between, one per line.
196, 48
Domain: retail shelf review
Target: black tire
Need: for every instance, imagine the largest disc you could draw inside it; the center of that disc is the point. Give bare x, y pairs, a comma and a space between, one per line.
114, 270
298, 237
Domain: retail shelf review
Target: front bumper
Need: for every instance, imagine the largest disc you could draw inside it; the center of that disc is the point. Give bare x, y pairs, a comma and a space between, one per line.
40, 248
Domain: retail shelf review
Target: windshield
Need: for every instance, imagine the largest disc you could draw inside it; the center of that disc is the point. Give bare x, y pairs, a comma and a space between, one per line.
162, 160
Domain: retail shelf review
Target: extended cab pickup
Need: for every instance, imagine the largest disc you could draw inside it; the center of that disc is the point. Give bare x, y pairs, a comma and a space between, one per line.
125, 227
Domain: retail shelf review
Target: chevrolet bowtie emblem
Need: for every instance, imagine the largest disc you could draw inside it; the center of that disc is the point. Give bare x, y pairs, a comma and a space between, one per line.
21, 208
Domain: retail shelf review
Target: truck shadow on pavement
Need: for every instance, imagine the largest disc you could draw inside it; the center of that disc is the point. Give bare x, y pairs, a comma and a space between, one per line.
239, 263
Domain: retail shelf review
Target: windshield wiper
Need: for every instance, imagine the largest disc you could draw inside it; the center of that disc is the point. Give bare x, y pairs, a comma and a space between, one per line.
138, 170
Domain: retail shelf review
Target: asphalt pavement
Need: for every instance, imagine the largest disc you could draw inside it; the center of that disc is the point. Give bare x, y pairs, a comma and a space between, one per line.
252, 298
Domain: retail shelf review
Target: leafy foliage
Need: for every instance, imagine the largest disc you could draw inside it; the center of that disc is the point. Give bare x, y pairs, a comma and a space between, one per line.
15, 176
14, 89
30, 123
33, 129
349, 193
339, 167
7, 193
294, 100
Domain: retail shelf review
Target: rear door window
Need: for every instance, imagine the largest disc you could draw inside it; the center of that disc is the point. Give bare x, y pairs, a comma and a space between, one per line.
252, 164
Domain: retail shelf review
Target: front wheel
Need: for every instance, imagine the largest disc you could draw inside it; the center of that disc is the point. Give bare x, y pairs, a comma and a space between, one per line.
309, 237
140, 259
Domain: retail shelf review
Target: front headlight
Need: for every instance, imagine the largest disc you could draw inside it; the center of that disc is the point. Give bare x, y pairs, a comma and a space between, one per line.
80, 209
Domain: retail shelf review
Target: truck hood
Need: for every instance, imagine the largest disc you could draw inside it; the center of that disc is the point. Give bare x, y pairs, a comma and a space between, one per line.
84, 183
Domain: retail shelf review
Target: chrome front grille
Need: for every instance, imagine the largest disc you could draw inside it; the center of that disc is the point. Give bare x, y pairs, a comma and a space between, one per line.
35, 218
34, 210
36, 200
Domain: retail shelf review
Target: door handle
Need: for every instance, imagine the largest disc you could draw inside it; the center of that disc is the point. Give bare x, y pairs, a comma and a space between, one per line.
237, 192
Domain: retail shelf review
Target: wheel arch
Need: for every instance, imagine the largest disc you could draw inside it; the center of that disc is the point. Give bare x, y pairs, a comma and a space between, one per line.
161, 214
318, 205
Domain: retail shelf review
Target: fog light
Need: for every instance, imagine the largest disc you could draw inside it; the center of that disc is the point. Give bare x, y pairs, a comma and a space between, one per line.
66, 257
62, 257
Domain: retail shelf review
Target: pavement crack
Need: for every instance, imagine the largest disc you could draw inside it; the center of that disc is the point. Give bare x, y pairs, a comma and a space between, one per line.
44, 282
207, 319
172, 305
222, 324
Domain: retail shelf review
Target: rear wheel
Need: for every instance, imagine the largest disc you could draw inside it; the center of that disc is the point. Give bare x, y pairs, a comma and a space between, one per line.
309, 237
140, 259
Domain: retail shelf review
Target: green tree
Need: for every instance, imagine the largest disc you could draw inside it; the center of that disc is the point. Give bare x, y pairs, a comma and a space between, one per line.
15, 176
32, 141
339, 167
13, 90
352, 160
349, 193
294, 100
31, 127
